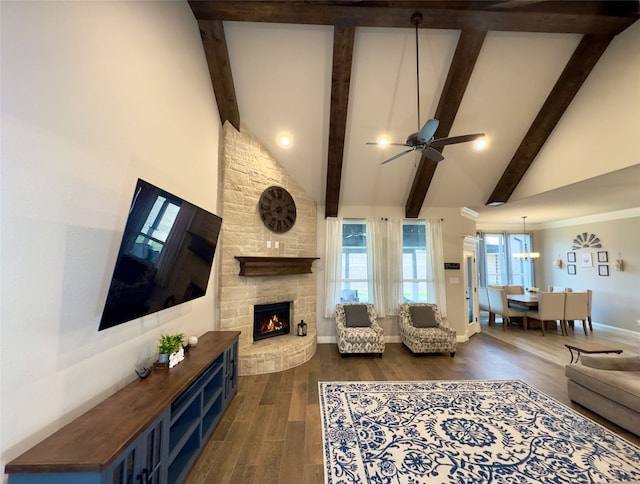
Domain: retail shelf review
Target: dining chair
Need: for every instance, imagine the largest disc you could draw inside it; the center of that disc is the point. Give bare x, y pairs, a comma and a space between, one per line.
550, 308
499, 305
558, 289
576, 308
515, 289
483, 300
590, 292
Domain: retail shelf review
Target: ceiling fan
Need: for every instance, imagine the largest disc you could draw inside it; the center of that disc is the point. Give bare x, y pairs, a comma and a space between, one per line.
423, 139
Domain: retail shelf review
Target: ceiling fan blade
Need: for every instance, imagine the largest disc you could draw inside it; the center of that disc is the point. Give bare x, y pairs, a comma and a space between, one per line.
455, 139
432, 154
375, 143
402, 153
428, 130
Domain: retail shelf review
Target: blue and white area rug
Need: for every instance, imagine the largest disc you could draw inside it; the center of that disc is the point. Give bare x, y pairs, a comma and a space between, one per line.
464, 432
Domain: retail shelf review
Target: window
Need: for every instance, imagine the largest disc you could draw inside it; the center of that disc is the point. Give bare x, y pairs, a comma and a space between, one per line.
414, 262
384, 262
155, 230
355, 273
497, 266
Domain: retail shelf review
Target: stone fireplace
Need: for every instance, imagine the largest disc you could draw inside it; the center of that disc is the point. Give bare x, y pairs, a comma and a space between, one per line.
271, 320
247, 169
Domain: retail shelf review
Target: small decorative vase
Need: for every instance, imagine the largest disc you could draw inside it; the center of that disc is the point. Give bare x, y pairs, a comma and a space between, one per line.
163, 358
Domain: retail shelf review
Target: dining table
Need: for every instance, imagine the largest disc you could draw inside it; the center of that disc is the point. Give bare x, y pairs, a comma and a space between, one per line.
528, 299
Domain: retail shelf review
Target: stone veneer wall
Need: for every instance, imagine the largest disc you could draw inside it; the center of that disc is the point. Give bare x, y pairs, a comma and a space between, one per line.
247, 169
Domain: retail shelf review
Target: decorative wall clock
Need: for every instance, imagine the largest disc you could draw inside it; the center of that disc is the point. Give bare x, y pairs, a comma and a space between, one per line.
586, 241
277, 209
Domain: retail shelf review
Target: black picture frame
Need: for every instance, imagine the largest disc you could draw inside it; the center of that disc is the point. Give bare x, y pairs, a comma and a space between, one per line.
571, 269
571, 256
603, 270
603, 256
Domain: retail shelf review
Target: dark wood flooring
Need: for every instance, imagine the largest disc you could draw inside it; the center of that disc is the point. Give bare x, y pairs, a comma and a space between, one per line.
271, 432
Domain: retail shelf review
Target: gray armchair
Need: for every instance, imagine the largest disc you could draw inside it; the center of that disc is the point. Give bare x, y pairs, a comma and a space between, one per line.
357, 329
422, 329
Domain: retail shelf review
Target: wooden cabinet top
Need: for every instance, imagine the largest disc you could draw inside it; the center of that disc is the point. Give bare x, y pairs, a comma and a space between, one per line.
93, 440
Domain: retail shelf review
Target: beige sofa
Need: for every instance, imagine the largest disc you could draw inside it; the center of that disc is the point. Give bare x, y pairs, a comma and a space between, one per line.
608, 385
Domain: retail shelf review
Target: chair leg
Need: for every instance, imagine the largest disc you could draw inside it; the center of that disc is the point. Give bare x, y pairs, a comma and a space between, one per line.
584, 326
542, 327
590, 325
563, 327
524, 322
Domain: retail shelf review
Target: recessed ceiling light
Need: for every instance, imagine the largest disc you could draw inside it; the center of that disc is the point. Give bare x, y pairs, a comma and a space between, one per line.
285, 140
383, 141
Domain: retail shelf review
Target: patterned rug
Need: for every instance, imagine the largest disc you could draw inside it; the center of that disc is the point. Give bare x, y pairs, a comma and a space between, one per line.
464, 432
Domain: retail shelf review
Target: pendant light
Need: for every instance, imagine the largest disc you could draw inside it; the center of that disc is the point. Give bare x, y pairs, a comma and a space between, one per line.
526, 255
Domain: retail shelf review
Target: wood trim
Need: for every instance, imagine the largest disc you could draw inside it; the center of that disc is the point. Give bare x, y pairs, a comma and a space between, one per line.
568, 84
274, 266
217, 54
570, 17
343, 39
464, 60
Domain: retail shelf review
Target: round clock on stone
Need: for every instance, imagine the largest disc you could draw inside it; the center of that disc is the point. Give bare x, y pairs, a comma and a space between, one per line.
277, 209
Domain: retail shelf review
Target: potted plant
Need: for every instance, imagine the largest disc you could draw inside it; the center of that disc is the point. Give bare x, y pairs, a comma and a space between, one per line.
169, 349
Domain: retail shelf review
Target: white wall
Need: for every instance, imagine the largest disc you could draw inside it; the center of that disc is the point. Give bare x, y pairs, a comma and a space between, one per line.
94, 96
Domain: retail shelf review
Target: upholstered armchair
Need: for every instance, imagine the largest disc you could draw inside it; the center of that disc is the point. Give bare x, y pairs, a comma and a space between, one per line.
357, 329
422, 329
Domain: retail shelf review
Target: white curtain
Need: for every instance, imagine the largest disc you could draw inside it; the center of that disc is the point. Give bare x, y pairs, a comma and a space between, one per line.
436, 291
333, 265
385, 261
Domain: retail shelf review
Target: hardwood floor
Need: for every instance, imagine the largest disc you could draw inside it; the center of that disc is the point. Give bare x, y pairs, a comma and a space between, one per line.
271, 432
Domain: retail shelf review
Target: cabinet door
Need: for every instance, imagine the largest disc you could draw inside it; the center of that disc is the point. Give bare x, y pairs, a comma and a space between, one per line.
152, 464
123, 470
231, 371
141, 462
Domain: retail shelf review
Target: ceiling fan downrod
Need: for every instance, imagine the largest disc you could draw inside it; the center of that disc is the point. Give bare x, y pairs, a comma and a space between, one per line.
416, 20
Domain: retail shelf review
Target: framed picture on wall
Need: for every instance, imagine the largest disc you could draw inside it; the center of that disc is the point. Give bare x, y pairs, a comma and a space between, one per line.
603, 256
603, 270
571, 256
571, 269
586, 259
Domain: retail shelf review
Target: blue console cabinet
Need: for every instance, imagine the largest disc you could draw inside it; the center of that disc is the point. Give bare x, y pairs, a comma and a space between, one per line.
150, 432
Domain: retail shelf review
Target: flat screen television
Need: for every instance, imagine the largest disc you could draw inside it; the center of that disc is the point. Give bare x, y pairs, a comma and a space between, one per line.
165, 257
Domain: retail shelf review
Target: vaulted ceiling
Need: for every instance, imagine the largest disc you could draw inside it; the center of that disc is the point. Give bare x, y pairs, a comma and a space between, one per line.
335, 74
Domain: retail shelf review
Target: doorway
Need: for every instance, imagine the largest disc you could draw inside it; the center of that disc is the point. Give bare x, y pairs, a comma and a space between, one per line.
471, 284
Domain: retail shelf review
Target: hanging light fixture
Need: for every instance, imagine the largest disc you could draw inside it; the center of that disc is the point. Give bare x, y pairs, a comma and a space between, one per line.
526, 255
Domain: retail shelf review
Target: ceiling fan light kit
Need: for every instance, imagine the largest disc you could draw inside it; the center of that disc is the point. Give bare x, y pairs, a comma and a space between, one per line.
423, 140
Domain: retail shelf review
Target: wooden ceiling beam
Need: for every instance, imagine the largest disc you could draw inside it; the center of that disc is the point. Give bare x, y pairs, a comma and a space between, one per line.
343, 39
217, 54
570, 17
464, 61
581, 63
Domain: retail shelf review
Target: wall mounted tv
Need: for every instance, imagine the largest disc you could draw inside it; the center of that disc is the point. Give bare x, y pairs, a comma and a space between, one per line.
165, 256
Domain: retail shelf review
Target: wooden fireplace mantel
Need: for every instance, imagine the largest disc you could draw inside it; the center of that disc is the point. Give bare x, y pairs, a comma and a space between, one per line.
274, 266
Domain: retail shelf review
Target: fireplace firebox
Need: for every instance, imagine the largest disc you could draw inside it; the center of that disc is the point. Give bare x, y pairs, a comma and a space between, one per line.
271, 320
